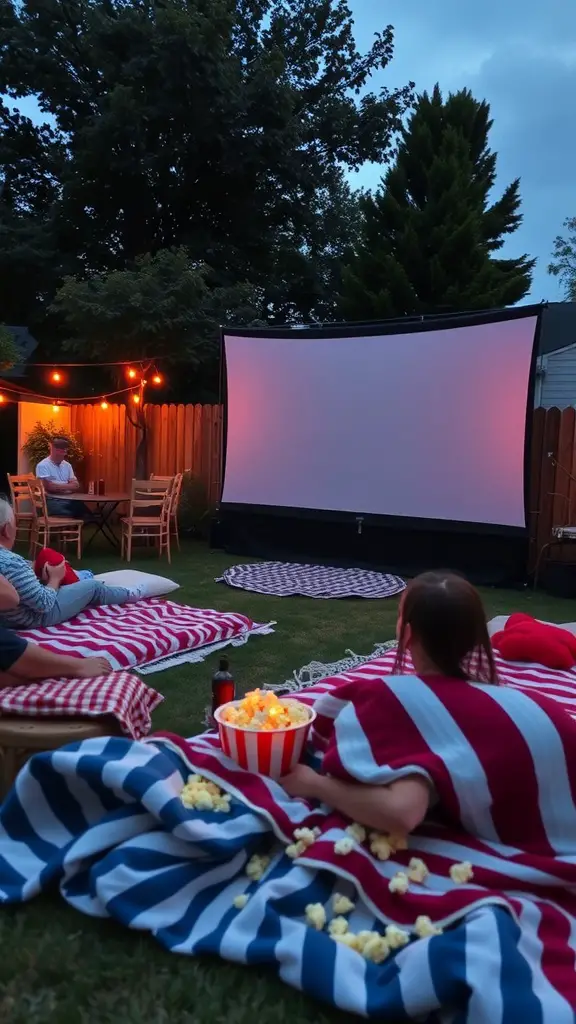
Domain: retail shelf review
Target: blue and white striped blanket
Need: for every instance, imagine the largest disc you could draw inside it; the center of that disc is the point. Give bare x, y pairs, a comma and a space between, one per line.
103, 821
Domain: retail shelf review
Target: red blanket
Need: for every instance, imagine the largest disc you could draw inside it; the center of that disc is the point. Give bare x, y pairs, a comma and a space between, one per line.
138, 634
502, 761
122, 695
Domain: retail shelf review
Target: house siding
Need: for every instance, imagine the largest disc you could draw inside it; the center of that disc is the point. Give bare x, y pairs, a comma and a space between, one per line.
558, 383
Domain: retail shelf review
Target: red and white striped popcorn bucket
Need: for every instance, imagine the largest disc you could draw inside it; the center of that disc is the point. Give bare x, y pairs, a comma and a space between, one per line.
271, 752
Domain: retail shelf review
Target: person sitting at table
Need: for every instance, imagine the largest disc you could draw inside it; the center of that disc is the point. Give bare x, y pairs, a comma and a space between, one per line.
59, 480
46, 604
22, 662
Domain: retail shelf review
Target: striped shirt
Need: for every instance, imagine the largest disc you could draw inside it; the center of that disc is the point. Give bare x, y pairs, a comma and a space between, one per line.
35, 598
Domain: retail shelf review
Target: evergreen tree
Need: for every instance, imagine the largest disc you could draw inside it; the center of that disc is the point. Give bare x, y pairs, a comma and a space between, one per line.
430, 233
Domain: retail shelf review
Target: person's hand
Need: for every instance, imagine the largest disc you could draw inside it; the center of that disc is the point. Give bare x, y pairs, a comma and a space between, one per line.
302, 782
55, 573
90, 667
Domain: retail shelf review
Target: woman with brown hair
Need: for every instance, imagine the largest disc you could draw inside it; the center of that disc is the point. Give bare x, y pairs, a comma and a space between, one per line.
442, 626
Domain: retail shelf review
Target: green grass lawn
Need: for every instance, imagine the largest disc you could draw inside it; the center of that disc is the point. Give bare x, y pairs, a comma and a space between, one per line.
58, 967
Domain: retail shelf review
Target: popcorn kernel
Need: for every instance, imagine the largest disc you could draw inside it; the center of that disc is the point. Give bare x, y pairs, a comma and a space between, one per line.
357, 832
344, 846
425, 929
400, 883
341, 904
462, 873
315, 916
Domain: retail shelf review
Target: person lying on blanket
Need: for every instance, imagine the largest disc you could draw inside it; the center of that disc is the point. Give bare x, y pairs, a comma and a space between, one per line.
46, 604
442, 624
22, 662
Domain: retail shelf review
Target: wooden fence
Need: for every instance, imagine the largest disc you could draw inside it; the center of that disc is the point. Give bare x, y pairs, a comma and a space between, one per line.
188, 437
553, 492
180, 437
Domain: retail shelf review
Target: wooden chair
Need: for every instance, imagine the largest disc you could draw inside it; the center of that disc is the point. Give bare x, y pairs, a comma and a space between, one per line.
46, 527
149, 517
20, 496
176, 482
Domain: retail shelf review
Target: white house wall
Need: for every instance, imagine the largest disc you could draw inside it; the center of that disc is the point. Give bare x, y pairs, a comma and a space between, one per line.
557, 386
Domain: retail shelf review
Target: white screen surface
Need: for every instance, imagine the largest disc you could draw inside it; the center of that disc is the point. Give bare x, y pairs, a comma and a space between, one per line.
428, 425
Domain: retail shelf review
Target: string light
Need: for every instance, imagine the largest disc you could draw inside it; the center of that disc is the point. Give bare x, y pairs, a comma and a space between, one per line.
56, 376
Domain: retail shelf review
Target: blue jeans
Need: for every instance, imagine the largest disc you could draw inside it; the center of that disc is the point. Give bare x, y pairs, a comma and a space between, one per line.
66, 508
73, 599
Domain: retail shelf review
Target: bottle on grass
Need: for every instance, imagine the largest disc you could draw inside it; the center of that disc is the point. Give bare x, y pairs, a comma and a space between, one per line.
223, 688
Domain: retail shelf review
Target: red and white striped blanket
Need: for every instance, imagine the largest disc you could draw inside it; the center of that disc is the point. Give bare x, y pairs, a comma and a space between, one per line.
138, 634
121, 695
502, 761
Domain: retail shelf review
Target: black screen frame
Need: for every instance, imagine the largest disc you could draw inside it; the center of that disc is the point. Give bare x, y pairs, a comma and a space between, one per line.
406, 325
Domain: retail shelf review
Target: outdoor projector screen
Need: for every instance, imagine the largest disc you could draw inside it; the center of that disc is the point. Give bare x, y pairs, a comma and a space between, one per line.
428, 424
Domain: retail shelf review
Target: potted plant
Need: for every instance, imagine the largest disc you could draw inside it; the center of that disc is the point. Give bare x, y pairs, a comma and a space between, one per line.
37, 444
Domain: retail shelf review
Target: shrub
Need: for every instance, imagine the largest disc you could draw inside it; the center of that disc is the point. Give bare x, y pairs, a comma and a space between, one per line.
37, 444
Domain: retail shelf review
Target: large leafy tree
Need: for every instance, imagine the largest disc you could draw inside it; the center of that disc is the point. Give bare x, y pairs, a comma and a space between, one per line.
31, 162
431, 233
222, 126
163, 308
563, 263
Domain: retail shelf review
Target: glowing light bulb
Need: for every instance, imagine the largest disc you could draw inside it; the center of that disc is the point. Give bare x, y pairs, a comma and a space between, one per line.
56, 377
54, 408
156, 379
2, 399
132, 374
136, 399
104, 405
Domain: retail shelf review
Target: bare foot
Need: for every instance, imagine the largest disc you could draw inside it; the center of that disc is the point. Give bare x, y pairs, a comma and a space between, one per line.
90, 667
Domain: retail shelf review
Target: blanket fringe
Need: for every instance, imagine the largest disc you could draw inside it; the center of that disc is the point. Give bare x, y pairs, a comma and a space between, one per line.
201, 653
316, 671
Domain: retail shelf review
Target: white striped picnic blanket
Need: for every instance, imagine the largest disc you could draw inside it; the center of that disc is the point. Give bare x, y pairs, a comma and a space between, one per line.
139, 634
104, 821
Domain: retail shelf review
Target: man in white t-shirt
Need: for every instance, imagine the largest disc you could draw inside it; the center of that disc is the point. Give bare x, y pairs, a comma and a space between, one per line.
59, 481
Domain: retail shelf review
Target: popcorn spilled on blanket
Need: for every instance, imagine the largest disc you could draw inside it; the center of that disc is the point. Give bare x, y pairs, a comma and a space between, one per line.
200, 794
373, 945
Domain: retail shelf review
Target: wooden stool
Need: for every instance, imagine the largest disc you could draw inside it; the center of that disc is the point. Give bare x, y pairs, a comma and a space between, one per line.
22, 737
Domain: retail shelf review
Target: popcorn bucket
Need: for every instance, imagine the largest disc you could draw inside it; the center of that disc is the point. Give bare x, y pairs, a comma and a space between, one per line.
271, 752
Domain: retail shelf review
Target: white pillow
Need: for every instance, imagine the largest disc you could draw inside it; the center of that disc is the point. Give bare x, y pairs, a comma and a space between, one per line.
154, 586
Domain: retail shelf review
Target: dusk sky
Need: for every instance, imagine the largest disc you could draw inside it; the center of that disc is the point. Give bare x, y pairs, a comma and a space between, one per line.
520, 56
